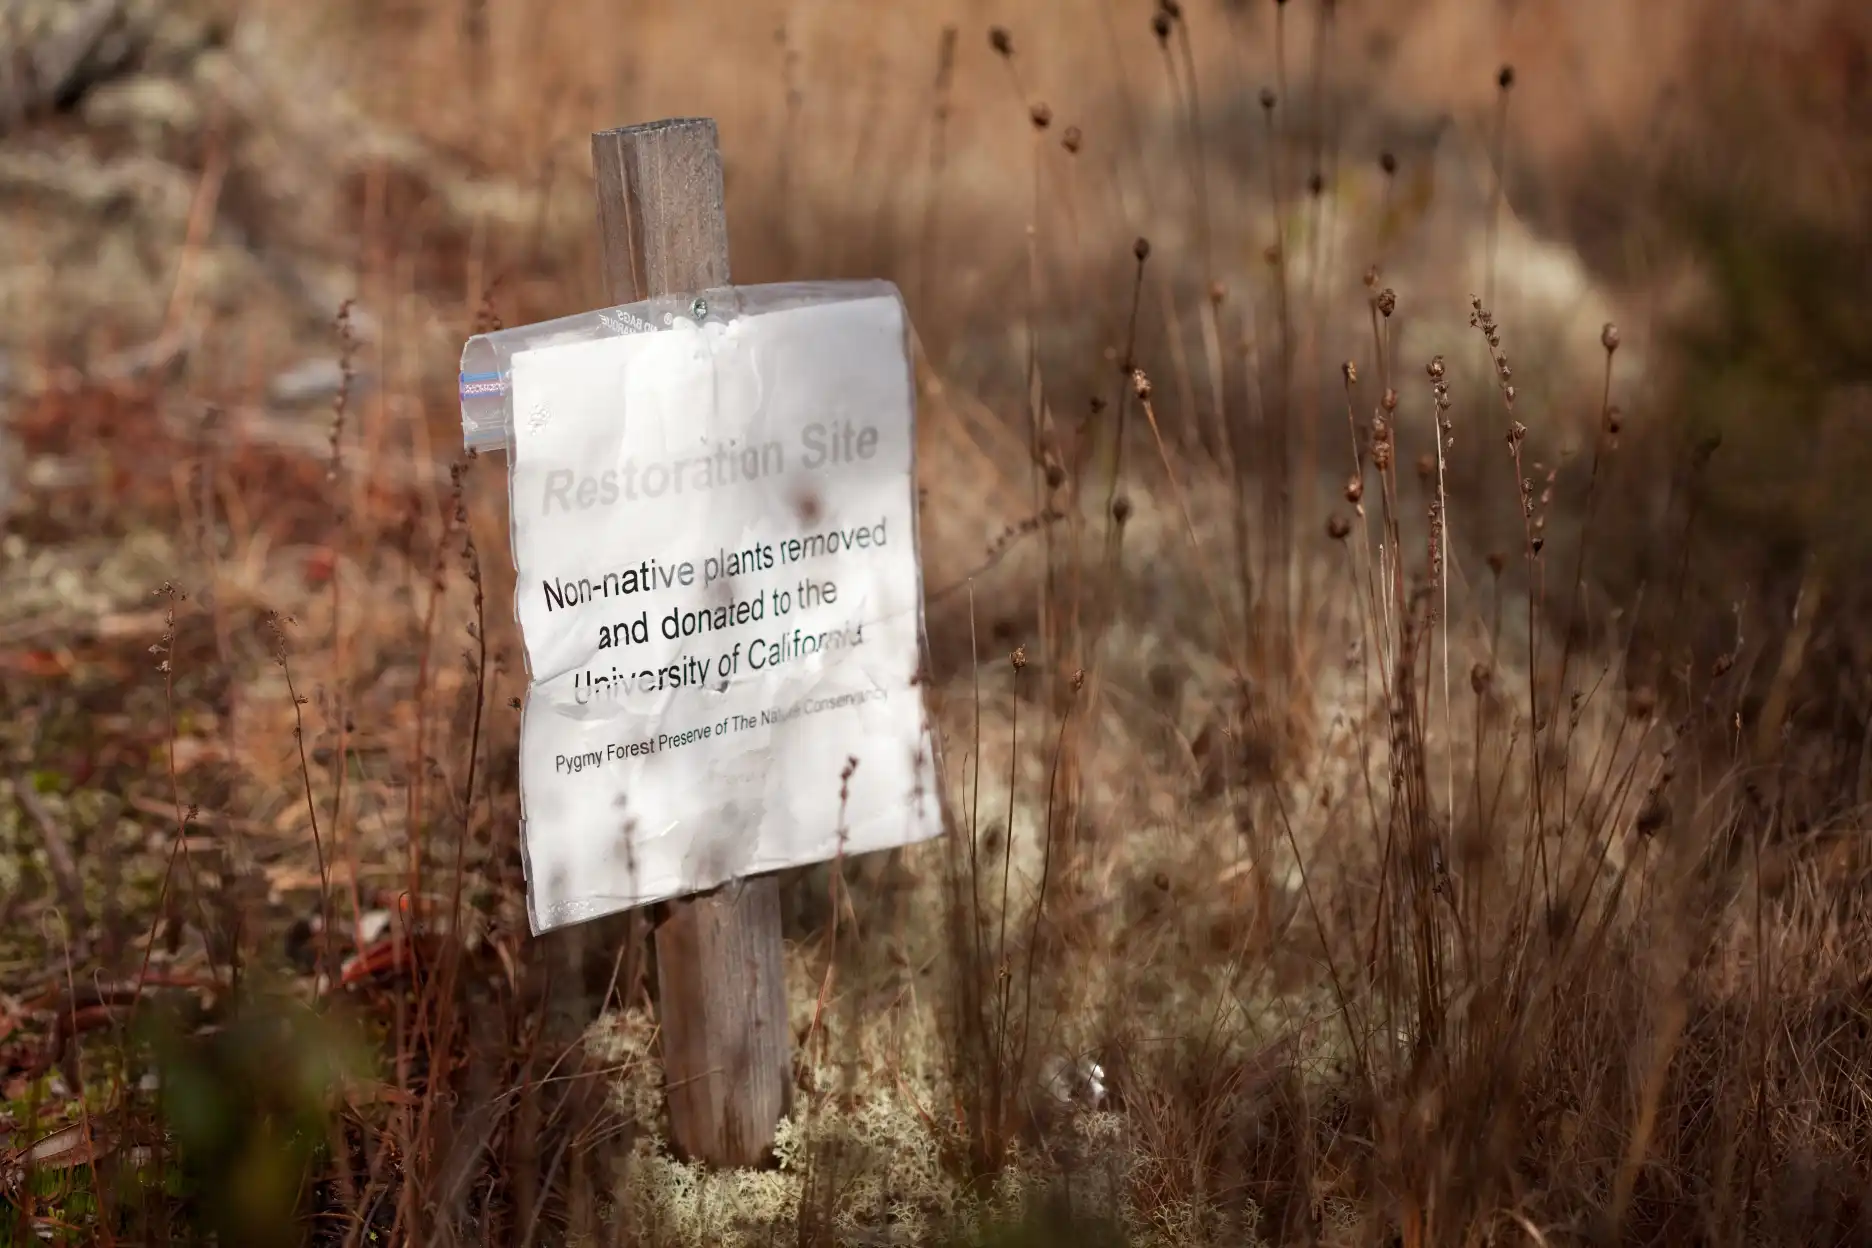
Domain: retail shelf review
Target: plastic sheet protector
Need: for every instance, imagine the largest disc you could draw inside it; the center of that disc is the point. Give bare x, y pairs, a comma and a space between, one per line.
713, 508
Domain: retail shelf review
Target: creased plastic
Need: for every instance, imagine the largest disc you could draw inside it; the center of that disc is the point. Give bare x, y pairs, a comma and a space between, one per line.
713, 513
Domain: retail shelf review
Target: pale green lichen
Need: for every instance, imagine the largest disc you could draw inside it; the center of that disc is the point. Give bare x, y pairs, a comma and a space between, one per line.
864, 1160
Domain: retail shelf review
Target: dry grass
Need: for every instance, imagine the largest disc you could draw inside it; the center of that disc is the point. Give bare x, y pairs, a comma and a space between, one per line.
1405, 779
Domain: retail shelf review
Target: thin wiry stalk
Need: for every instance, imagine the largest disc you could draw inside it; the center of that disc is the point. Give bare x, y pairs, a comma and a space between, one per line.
1003, 978
938, 159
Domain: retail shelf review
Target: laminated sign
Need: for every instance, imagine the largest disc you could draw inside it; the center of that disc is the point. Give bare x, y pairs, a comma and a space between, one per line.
714, 535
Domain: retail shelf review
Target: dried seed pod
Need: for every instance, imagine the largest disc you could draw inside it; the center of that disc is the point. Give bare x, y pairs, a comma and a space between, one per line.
1073, 140
1338, 527
1141, 249
1001, 41
1609, 337
1387, 301
1042, 116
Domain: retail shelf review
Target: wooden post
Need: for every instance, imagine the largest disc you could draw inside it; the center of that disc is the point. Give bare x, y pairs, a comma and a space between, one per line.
721, 985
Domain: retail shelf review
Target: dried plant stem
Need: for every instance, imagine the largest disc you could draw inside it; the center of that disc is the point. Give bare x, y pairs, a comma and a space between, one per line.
940, 105
305, 775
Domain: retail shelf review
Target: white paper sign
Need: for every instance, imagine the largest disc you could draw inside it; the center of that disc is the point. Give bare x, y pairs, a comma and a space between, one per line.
719, 594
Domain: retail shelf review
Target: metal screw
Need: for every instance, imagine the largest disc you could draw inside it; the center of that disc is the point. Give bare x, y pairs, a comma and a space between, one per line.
699, 308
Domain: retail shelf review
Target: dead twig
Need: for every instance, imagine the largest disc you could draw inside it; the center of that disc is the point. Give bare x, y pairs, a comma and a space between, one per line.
59, 859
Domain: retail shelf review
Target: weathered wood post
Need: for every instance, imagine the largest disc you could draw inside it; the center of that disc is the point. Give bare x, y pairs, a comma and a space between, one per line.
663, 230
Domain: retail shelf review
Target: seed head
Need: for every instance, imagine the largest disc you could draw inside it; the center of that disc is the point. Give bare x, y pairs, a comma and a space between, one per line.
1018, 658
1338, 527
1141, 384
1042, 116
1001, 41
1390, 399
1160, 26
1435, 368
1141, 249
1350, 370
1614, 420
1387, 162
1371, 276
1387, 301
1078, 679
1609, 337
1505, 79
1121, 508
1267, 98
1354, 489
1072, 140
